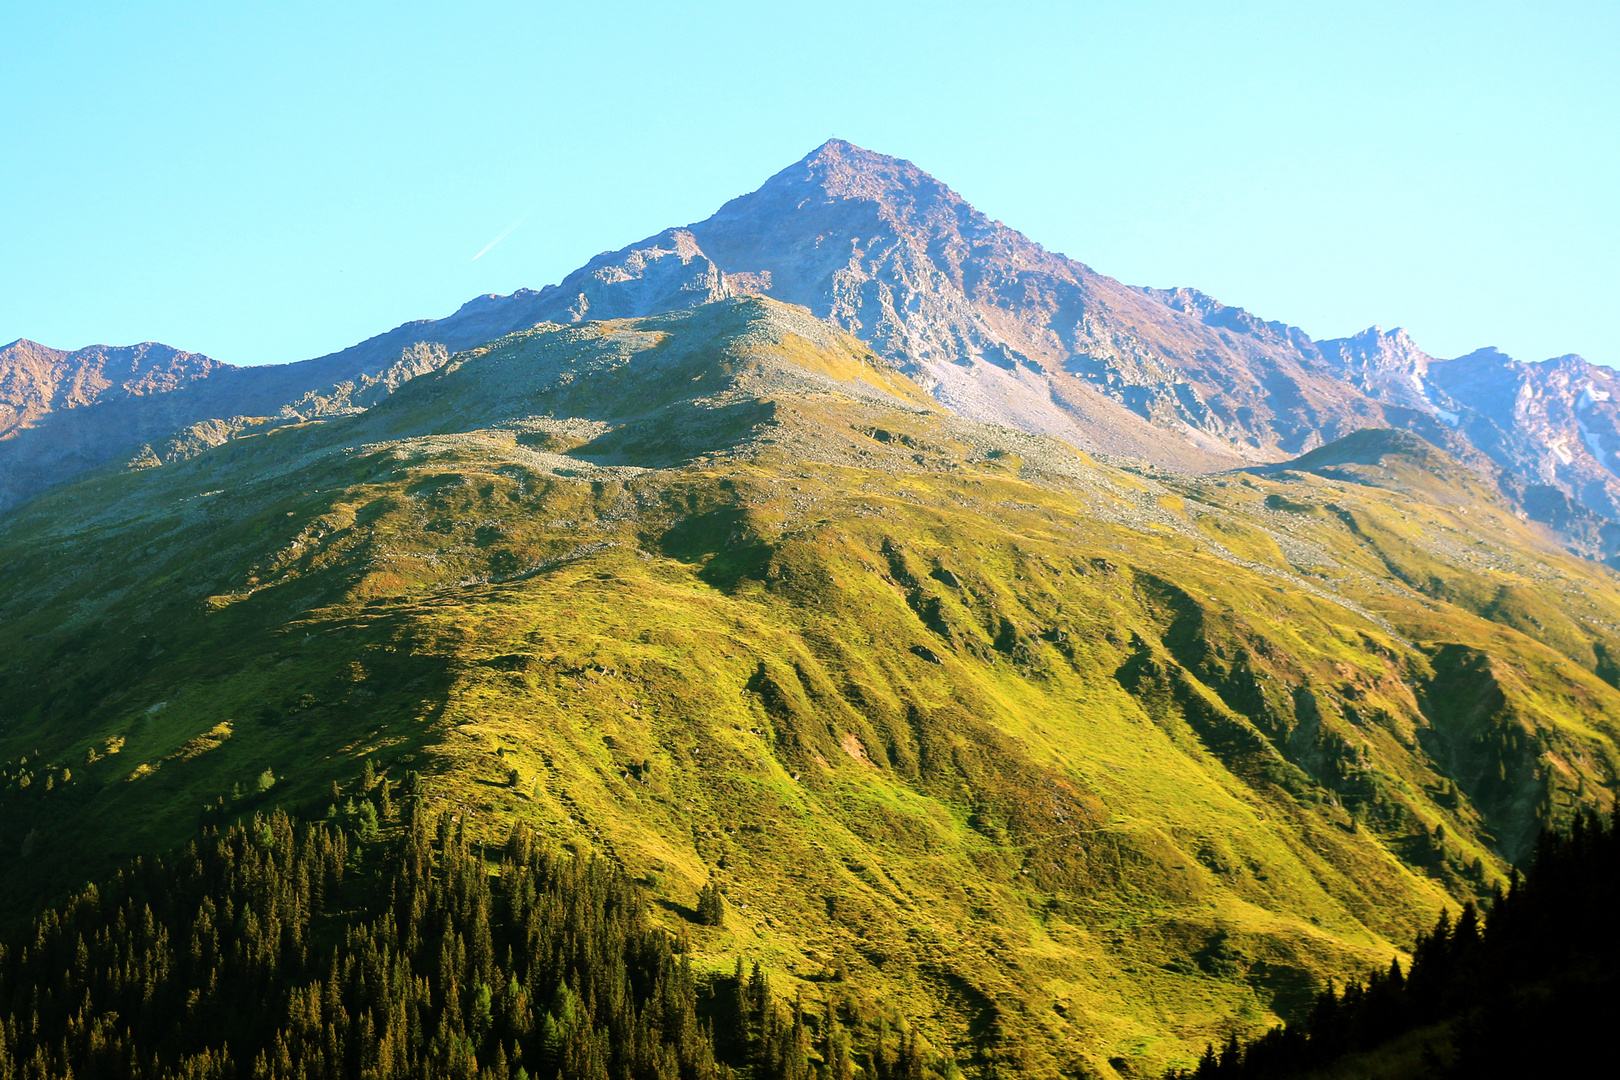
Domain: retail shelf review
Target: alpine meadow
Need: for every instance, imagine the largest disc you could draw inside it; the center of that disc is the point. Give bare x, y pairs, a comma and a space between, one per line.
837, 638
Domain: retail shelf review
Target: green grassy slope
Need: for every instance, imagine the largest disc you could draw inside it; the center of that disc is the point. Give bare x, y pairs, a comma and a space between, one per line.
1068, 763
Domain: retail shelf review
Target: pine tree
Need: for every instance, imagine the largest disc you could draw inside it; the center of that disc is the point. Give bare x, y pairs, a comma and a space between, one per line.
711, 907
1208, 1066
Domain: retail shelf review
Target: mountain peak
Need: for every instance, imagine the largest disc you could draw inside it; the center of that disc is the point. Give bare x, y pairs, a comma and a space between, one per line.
846, 171
1573, 362
835, 148
1490, 354
841, 153
1376, 336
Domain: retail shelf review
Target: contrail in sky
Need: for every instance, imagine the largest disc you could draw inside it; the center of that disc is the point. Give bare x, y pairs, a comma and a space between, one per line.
501, 237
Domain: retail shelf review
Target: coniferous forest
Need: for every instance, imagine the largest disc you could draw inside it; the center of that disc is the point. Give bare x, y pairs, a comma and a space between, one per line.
1529, 989
274, 949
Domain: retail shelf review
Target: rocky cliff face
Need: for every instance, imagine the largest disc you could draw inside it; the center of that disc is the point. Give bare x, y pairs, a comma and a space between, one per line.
998, 329
1552, 423
1387, 366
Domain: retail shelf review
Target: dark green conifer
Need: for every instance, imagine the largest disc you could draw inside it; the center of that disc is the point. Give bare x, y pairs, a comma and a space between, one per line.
711, 907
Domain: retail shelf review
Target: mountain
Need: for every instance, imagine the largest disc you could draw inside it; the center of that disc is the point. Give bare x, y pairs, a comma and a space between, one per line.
995, 327
1001, 330
1067, 765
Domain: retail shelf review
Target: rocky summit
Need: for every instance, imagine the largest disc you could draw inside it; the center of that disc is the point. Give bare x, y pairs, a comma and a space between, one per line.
1031, 674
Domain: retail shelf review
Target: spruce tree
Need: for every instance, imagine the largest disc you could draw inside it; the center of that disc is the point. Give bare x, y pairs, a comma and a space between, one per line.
711, 908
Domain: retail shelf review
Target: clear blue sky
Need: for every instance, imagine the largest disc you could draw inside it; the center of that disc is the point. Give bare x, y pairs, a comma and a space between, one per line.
270, 181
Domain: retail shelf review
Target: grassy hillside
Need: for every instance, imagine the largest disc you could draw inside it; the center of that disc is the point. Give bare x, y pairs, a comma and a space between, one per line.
1070, 764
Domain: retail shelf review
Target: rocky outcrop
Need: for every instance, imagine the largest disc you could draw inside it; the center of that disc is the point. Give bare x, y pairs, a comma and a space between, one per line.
1552, 424
1387, 366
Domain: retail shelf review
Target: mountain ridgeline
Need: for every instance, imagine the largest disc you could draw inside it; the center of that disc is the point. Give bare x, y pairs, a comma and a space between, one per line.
1074, 764
994, 326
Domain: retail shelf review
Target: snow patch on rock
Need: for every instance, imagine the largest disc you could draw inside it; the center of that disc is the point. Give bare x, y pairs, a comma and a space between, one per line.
1594, 443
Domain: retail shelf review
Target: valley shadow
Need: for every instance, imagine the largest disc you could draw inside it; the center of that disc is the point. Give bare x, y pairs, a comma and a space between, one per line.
689, 914
296, 708
676, 434
984, 1015
1475, 736
724, 543
1290, 991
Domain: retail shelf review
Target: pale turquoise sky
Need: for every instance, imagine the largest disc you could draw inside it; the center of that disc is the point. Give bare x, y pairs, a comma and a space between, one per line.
271, 181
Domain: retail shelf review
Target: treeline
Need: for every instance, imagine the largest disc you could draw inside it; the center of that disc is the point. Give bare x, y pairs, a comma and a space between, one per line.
272, 950
1530, 989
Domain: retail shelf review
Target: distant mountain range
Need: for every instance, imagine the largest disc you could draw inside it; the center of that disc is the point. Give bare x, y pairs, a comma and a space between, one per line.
995, 327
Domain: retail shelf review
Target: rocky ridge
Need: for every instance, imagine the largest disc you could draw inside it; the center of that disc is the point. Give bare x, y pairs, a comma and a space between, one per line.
999, 329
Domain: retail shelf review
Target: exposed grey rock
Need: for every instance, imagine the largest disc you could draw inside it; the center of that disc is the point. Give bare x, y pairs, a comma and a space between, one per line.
1555, 423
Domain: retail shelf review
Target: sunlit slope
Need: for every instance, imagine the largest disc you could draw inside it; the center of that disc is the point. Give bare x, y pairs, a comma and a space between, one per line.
1066, 761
